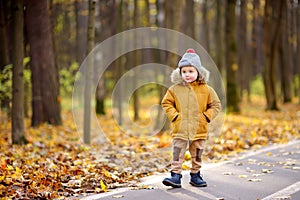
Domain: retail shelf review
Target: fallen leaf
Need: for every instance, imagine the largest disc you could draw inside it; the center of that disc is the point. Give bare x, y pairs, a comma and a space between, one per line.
283, 197
187, 155
267, 171
257, 175
103, 186
243, 176
118, 196
227, 173
255, 180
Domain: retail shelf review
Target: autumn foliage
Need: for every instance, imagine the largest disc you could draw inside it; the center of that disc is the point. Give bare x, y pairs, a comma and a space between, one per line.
56, 164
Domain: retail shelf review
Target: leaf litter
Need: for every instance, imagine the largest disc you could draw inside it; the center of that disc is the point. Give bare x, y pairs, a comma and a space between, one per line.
55, 163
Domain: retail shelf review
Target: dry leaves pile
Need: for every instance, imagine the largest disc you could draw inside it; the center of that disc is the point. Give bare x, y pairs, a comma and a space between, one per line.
254, 129
55, 164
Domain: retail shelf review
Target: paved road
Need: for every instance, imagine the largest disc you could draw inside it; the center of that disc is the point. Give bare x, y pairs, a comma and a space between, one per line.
271, 173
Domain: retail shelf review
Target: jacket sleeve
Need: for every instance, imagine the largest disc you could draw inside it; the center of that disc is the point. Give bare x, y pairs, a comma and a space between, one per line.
169, 106
213, 106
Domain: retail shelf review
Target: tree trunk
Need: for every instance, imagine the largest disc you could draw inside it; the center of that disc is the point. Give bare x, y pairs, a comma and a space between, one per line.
273, 12
119, 66
298, 49
259, 37
45, 83
173, 10
220, 38
100, 97
137, 61
244, 67
286, 56
105, 14
4, 40
4, 50
188, 19
255, 43
81, 8
89, 73
206, 26
18, 135
233, 98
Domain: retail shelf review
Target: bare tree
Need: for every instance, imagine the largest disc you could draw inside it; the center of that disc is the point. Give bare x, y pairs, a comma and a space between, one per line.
18, 134
272, 30
4, 49
89, 73
188, 19
298, 48
81, 10
285, 55
45, 84
219, 35
137, 60
233, 98
206, 26
173, 17
243, 53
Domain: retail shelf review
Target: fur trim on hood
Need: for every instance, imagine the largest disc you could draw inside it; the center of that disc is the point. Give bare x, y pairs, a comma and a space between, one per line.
176, 77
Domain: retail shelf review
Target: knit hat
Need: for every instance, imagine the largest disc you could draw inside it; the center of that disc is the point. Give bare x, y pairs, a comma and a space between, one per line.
190, 58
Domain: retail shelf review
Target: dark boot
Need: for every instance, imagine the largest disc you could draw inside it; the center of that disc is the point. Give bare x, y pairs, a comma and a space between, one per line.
197, 181
174, 181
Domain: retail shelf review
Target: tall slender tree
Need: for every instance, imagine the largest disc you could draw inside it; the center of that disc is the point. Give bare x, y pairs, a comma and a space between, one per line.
285, 55
233, 98
4, 50
18, 135
298, 49
81, 10
219, 35
173, 17
106, 10
89, 73
137, 61
188, 19
45, 84
254, 36
206, 26
244, 67
272, 30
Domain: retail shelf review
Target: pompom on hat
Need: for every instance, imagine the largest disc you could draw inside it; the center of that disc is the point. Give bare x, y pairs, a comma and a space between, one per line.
190, 58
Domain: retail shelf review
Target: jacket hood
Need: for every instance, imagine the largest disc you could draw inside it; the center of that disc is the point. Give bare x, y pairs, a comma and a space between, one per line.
176, 77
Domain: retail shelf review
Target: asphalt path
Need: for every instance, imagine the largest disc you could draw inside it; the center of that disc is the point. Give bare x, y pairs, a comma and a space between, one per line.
270, 173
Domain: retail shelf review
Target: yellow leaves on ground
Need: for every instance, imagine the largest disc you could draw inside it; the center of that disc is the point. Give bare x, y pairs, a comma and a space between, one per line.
103, 185
255, 129
55, 164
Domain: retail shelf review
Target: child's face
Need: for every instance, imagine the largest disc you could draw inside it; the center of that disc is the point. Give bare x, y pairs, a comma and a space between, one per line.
189, 74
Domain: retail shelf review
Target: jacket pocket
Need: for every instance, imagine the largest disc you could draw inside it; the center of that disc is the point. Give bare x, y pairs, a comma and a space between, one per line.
203, 119
176, 124
203, 124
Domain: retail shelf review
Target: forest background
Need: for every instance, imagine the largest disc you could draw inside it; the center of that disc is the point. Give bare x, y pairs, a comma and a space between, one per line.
254, 43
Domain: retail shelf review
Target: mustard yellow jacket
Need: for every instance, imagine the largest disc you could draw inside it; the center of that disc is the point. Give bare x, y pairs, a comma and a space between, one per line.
190, 107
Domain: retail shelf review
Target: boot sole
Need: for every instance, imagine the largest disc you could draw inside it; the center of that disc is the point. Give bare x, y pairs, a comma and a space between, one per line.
169, 183
196, 185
